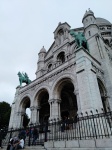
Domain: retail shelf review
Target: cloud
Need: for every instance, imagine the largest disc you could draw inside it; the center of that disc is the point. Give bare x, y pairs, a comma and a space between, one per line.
25, 26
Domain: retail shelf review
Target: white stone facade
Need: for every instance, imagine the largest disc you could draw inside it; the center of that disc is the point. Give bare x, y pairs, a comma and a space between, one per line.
69, 80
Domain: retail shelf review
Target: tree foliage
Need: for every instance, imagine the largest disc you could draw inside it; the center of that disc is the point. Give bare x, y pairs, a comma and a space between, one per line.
5, 110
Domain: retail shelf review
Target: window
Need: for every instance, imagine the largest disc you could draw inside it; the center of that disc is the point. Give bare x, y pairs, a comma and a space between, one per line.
49, 67
60, 36
89, 33
61, 57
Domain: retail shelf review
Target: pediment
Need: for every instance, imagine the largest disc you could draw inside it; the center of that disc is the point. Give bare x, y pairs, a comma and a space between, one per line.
64, 26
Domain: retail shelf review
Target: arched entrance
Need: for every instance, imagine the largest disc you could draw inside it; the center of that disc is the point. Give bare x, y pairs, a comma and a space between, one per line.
103, 94
25, 112
44, 112
68, 105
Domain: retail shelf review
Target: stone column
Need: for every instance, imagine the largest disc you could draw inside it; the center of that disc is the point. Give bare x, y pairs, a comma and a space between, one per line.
55, 109
89, 94
50, 103
22, 117
37, 119
34, 115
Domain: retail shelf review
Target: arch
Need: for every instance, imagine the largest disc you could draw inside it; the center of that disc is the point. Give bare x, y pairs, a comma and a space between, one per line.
38, 91
49, 66
59, 86
103, 94
60, 34
106, 41
22, 99
61, 57
64, 90
48, 63
41, 101
100, 81
59, 29
57, 81
24, 103
39, 95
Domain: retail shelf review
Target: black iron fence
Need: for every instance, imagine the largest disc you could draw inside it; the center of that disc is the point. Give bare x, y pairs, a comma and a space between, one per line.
87, 126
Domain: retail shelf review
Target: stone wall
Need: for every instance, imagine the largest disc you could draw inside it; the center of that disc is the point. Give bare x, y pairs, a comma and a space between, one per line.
93, 144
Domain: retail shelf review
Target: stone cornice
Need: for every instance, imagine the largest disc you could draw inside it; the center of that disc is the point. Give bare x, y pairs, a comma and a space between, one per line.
97, 69
43, 79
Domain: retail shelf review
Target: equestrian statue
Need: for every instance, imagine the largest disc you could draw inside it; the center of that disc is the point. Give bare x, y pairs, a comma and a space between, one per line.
23, 78
80, 39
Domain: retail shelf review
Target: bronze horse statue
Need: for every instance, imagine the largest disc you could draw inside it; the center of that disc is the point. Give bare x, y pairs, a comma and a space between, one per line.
23, 78
80, 39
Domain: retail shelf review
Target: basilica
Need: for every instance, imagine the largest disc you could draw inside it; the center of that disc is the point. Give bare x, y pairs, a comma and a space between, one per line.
70, 79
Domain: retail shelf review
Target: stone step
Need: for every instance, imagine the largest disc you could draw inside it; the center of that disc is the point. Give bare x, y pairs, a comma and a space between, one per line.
29, 148
34, 148
79, 149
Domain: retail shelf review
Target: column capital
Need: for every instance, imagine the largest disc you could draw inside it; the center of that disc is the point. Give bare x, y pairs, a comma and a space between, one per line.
20, 113
33, 108
54, 100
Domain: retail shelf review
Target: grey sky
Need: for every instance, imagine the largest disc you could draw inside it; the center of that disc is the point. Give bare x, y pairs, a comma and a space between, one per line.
27, 25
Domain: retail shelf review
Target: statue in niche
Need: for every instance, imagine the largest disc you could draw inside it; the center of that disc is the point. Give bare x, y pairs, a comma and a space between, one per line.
23, 78
80, 39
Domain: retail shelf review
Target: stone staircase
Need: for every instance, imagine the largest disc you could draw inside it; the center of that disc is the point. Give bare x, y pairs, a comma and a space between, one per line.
34, 148
30, 148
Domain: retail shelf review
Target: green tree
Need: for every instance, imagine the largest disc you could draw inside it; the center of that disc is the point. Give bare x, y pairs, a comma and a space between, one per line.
5, 110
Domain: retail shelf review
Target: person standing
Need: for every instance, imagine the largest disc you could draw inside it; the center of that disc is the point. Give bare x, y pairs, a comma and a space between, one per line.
35, 136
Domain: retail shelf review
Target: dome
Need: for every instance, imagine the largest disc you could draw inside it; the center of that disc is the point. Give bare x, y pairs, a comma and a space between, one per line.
43, 50
101, 21
89, 12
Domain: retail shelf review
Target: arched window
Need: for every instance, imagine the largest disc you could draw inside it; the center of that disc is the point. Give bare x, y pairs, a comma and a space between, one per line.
61, 57
107, 41
60, 36
89, 33
49, 67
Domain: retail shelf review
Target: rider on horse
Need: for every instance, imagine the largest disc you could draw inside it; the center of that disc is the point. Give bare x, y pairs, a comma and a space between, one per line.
23, 78
80, 39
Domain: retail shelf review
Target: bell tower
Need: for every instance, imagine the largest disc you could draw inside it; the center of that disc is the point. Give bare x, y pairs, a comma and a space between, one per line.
40, 63
89, 22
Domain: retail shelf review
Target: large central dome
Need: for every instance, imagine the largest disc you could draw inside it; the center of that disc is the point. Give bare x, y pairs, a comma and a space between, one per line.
101, 21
